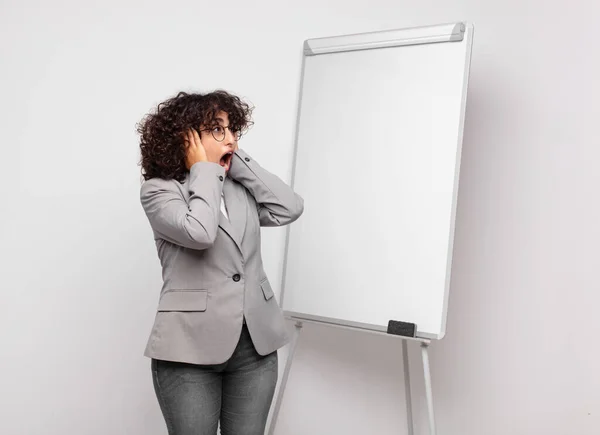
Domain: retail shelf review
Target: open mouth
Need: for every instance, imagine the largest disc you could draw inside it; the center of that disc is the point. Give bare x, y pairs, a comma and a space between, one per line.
226, 160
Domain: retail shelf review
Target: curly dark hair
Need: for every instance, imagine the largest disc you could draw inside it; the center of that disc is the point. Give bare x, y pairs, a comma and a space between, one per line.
161, 141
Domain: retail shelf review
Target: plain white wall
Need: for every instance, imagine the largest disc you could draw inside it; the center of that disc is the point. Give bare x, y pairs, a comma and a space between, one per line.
80, 277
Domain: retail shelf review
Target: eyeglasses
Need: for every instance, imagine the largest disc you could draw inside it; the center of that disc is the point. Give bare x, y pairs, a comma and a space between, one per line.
218, 132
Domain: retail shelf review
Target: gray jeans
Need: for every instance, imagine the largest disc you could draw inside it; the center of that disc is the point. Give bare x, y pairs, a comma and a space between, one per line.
238, 393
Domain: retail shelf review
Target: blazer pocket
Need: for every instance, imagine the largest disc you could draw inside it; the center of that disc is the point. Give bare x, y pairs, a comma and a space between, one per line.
183, 300
266, 289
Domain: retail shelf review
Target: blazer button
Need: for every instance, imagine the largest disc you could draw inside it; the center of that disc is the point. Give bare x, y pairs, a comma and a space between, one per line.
220, 177
236, 277
247, 159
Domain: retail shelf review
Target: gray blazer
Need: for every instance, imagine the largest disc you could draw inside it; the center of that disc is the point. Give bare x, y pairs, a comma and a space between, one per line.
212, 267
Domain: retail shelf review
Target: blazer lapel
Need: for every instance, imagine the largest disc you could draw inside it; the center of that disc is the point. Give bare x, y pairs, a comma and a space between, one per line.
235, 203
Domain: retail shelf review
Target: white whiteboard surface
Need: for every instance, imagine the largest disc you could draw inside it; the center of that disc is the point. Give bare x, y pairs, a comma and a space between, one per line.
377, 162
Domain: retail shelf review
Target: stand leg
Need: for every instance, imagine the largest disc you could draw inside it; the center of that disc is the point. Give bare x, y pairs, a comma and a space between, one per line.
409, 413
428, 389
286, 373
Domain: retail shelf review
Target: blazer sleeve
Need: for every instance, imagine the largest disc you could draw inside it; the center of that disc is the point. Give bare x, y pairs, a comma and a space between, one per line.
277, 203
193, 223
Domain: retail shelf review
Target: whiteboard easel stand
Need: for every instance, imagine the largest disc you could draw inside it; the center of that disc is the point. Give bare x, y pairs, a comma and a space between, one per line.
407, 389
445, 33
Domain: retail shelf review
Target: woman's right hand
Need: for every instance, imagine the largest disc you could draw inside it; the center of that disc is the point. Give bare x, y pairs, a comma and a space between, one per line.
195, 151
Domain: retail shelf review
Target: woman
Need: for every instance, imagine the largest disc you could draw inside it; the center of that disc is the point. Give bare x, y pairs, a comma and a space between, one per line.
213, 345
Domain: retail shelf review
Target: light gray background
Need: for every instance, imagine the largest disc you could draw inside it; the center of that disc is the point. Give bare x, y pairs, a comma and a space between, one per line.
80, 275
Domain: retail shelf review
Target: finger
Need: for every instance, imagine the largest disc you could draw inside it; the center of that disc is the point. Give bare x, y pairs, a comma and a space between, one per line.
196, 137
186, 139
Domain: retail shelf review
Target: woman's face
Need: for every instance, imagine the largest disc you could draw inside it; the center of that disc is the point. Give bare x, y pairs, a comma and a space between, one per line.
219, 141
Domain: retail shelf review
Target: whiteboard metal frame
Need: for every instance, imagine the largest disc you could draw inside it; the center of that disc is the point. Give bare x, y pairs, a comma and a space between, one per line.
388, 38
449, 32
366, 327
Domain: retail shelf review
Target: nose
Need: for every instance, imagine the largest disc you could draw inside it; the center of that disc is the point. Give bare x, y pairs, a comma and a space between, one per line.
229, 137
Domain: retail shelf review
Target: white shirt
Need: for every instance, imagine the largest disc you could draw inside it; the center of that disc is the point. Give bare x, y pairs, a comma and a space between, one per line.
223, 209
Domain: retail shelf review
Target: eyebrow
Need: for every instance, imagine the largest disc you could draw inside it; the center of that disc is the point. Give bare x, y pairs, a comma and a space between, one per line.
222, 121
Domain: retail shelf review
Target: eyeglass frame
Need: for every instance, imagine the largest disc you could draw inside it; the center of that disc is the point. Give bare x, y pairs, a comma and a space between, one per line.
237, 134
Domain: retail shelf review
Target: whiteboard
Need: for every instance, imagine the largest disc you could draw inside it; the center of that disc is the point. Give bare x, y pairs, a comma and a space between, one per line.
377, 161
